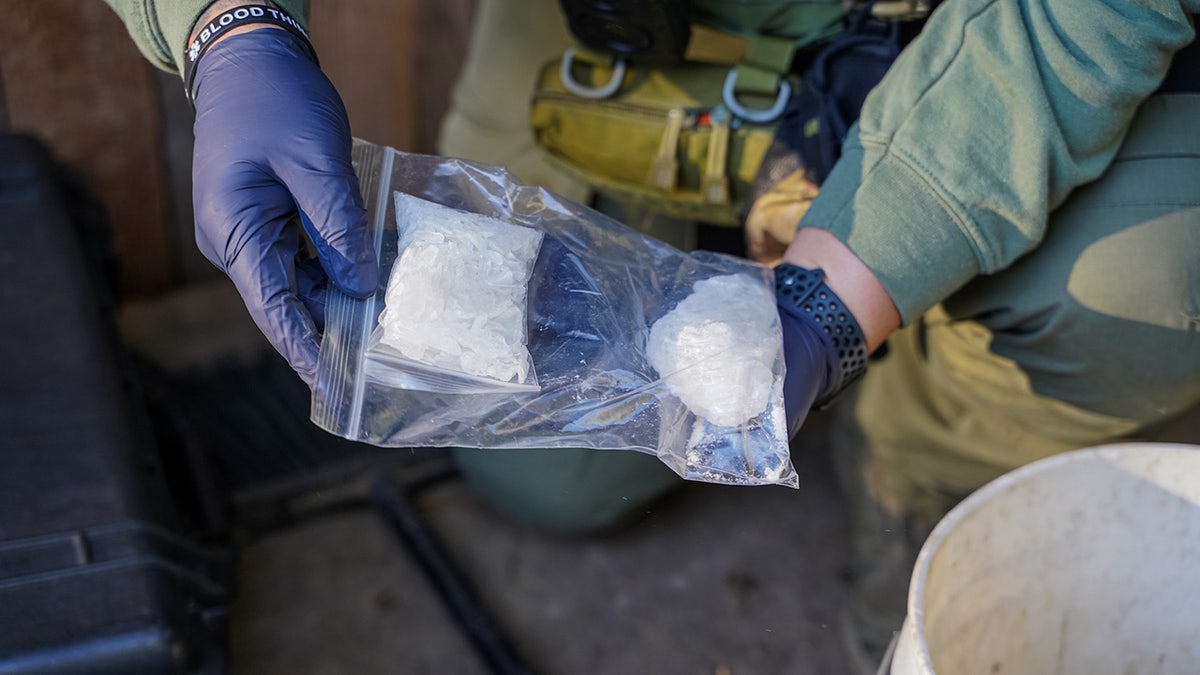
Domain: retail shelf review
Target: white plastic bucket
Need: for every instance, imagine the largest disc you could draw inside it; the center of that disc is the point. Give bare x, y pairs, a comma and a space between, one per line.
1086, 563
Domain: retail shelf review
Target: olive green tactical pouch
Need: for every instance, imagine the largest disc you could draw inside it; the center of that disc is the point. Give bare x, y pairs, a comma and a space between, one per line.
672, 139
663, 141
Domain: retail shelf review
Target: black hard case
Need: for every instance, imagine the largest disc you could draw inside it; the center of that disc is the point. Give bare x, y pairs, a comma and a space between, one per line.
96, 575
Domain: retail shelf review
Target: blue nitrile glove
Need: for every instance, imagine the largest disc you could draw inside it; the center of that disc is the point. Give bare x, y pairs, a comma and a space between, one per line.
823, 347
273, 141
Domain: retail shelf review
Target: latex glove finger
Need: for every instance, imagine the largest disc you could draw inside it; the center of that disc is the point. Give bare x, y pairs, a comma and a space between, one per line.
264, 272
334, 218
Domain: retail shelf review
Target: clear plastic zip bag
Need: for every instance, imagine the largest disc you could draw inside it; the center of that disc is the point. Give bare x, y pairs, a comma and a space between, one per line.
632, 344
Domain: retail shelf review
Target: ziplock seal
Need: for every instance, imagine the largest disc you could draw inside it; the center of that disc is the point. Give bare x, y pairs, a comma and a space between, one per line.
373, 164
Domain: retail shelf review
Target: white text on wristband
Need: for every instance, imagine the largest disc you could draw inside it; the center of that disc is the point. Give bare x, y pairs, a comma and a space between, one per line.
235, 17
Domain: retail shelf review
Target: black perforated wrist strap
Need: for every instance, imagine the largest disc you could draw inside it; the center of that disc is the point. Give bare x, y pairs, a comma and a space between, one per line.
243, 15
806, 290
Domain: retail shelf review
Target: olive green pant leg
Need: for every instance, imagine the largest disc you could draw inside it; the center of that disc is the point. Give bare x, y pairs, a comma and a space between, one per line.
488, 119
568, 489
1092, 338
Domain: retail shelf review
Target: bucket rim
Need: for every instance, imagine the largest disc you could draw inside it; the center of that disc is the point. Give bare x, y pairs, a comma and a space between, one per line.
915, 615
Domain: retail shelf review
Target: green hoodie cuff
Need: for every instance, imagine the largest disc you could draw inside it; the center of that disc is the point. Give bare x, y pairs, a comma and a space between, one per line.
177, 25
897, 222
161, 28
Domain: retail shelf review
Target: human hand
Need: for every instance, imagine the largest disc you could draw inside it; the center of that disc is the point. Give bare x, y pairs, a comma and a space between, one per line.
272, 142
771, 223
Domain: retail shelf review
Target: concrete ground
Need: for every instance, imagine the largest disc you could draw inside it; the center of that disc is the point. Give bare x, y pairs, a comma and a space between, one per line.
715, 580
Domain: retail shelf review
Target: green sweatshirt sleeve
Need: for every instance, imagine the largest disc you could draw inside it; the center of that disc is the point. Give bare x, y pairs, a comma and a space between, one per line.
983, 126
160, 28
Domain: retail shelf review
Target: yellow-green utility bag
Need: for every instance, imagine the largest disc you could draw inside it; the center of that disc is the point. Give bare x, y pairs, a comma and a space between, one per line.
684, 139
688, 139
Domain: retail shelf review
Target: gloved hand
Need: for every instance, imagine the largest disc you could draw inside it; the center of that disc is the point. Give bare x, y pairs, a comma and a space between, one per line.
811, 363
823, 346
272, 141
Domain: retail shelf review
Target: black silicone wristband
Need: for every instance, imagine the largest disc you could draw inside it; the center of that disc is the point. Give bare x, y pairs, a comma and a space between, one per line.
806, 290
242, 15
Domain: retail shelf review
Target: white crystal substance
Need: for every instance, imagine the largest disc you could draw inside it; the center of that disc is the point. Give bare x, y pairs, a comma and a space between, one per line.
716, 350
456, 297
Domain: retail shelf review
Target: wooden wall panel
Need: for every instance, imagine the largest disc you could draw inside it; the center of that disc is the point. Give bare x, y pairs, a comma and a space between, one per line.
70, 74
73, 77
394, 63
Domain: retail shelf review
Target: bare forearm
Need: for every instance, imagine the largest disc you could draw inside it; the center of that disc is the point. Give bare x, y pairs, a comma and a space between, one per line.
848, 277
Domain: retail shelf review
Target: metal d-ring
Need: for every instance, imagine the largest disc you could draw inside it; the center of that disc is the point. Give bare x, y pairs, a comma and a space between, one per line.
759, 116
568, 80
